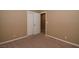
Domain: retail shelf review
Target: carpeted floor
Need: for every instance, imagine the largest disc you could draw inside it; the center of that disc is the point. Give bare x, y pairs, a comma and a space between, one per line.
37, 41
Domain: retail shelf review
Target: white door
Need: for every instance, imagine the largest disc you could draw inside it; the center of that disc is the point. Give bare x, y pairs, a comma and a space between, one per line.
29, 23
36, 22
33, 23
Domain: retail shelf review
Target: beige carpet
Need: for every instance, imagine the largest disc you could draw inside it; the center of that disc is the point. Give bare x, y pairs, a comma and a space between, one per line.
37, 41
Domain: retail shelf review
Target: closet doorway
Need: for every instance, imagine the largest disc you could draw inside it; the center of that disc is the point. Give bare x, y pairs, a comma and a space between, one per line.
43, 23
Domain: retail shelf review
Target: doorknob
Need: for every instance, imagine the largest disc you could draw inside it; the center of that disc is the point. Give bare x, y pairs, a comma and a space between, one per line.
33, 24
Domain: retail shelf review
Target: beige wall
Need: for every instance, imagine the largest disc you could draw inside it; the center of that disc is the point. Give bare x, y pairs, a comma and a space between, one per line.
12, 24
64, 25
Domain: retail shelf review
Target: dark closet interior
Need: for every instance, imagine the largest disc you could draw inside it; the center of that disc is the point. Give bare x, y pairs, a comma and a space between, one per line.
43, 23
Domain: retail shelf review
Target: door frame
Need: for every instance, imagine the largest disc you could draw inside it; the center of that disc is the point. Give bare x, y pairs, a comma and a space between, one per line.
45, 21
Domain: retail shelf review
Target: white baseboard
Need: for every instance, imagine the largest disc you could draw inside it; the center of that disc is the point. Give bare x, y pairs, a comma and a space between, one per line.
13, 40
74, 44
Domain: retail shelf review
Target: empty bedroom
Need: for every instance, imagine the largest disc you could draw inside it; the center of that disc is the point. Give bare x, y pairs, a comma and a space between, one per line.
39, 28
